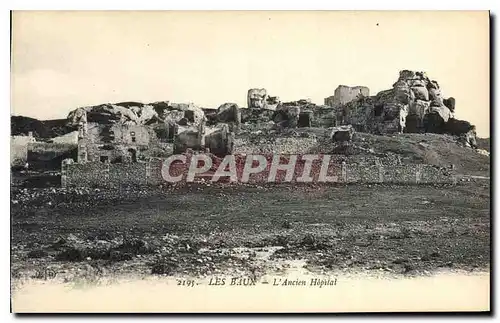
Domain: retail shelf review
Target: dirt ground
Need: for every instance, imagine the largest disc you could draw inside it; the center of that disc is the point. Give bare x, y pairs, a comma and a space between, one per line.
87, 235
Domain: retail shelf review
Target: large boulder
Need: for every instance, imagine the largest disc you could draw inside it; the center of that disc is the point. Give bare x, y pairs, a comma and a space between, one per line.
193, 113
464, 130
220, 141
229, 113
420, 93
106, 114
287, 116
435, 97
188, 139
450, 103
443, 112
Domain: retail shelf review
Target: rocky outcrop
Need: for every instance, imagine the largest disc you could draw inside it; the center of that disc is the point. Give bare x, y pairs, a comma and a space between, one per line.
428, 91
464, 130
450, 103
229, 113
138, 113
414, 104
256, 116
40, 129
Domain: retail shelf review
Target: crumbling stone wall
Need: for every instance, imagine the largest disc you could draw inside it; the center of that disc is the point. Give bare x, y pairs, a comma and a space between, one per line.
434, 174
120, 143
364, 173
403, 173
69, 138
340, 170
279, 145
127, 174
90, 174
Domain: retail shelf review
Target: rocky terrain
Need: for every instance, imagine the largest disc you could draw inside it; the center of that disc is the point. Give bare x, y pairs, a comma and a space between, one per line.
414, 104
203, 229
90, 235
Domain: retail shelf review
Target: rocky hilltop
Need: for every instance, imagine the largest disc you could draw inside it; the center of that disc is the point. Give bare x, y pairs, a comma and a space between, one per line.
414, 104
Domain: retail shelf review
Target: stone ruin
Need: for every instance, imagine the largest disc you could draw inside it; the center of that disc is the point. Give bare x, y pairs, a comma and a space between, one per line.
345, 94
137, 131
415, 104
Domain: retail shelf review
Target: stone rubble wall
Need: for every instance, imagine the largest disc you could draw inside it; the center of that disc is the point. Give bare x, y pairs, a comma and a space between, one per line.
280, 145
149, 173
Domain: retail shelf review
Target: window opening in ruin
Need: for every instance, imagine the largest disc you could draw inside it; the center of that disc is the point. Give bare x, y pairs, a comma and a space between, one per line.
133, 155
378, 110
171, 133
104, 159
107, 135
189, 115
132, 134
304, 120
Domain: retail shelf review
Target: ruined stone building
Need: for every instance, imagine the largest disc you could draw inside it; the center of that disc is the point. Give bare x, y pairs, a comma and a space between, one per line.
132, 131
344, 94
116, 142
415, 104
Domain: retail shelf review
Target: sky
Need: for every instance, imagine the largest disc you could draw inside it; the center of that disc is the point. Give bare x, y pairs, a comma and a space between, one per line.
62, 60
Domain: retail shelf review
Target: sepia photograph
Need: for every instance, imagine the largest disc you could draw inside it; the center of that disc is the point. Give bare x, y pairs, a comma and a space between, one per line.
250, 161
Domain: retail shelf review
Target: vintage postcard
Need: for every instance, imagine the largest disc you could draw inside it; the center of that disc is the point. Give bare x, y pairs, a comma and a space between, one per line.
250, 161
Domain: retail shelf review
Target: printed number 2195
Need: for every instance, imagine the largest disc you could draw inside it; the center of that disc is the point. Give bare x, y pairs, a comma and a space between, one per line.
185, 282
